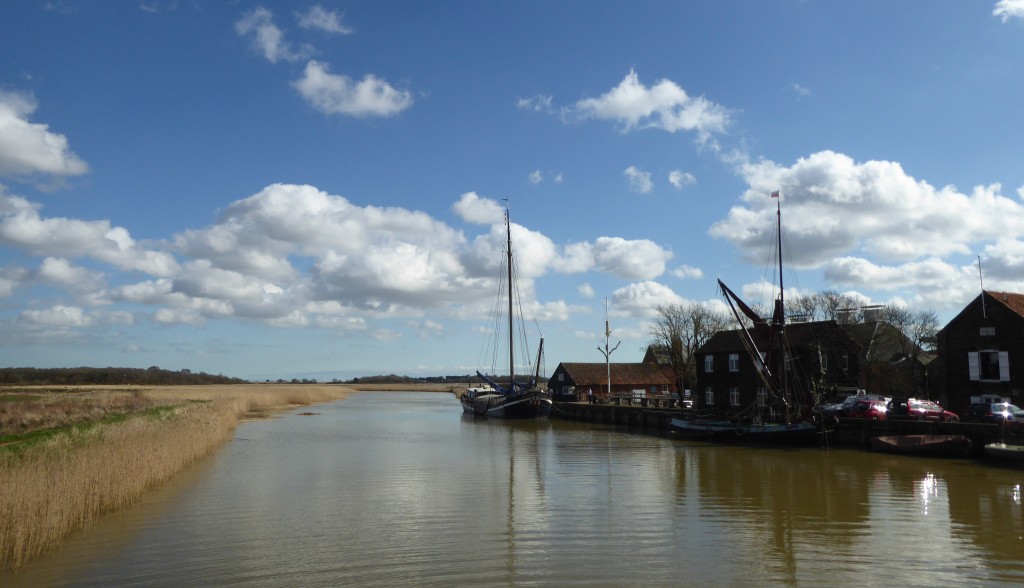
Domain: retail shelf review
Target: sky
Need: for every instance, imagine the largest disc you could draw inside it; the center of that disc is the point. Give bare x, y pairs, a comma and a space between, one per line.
291, 190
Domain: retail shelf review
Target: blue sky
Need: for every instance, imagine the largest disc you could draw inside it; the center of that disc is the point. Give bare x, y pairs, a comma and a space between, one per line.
272, 189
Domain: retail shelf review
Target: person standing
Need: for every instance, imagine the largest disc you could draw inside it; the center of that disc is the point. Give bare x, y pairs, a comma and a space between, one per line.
590, 395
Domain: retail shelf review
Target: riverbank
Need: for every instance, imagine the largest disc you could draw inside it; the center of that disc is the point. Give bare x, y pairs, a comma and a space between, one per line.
69, 455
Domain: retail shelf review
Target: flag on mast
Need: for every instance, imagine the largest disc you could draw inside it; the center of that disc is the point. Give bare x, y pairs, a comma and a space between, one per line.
775, 194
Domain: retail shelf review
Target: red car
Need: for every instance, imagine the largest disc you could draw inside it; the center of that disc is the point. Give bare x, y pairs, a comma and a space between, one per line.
865, 409
917, 409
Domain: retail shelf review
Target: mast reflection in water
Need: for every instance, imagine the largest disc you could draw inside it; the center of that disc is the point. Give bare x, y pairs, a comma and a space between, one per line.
398, 490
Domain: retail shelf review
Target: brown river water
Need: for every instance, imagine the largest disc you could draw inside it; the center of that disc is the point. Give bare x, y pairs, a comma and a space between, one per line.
400, 489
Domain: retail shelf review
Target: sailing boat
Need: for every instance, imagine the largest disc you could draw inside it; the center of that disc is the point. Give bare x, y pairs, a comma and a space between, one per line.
771, 418
516, 400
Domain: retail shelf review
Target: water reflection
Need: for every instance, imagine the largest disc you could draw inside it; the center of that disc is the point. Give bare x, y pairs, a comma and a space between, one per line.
397, 489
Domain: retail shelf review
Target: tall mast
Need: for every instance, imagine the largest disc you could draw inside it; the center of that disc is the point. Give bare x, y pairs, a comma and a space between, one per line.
782, 299
511, 355
782, 314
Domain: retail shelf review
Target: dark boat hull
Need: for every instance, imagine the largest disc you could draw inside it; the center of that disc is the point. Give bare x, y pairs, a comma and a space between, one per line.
524, 405
747, 433
923, 445
1005, 452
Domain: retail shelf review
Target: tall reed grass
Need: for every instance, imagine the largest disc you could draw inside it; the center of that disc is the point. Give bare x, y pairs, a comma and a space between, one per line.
57, 487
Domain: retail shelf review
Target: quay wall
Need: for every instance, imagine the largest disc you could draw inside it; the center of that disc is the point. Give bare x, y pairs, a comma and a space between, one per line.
854, 433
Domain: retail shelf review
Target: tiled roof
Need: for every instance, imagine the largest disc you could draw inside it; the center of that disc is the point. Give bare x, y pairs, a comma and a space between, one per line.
647, 374
796, 334
1012, 300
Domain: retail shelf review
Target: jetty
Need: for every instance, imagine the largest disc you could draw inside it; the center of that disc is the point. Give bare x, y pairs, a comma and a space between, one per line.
656, 418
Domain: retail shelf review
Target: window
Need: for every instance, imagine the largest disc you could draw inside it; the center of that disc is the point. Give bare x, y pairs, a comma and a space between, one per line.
846, 362
709, 363
734, 396
824, 361
709, 396
987, 332
989, 365
734, 362
762, 397
561, 377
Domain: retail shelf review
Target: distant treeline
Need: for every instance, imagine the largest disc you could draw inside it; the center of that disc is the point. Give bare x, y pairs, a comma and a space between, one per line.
393, 379
82, 376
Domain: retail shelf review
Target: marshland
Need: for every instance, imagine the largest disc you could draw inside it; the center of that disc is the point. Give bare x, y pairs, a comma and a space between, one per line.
70, 454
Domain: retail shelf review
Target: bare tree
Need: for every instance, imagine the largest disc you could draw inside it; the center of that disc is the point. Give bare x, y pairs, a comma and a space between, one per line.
827, 305
842, 308
915, 330
682, 329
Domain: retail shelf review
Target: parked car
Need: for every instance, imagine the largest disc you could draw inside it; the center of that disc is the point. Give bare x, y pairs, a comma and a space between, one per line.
865, 409
996, 412
920, 410
843, 407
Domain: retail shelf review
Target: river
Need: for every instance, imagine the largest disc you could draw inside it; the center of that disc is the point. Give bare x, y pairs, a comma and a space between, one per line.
401, 489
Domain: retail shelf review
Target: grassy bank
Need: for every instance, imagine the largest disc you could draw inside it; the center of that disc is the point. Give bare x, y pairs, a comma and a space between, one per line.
69, 455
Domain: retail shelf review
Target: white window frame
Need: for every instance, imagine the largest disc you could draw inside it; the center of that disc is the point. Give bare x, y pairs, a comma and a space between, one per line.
709, 363
762, 396
734, 362
734, 396
974, 365
709, 396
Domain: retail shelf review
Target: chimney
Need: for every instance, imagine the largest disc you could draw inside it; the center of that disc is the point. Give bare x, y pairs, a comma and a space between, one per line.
872, 313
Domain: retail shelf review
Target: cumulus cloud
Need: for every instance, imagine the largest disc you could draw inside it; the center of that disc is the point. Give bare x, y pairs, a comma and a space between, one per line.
1007, 9
482, 211
642, 299
293, 255
536, 177
680, 179
28, 148
10, 278
61, 273
267, 38
835, 206
686, 272
639, 180
586, 290
319, 18
339, 94
665, 106
22, 227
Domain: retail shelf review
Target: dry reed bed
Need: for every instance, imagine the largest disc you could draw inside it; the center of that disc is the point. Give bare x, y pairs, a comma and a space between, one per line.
53, 489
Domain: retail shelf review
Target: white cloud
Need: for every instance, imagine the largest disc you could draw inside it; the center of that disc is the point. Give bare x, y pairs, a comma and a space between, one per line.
30, 148
664, 106
642, 299
536, 177
639, 259
58, 316
339, 94
639, 180
679, 179
1007, 9
319, 18
538, 103
59, 272
482, 211
586, 290
22, 226
834, 206
267, 38
686, 272
293, 255
558, 178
